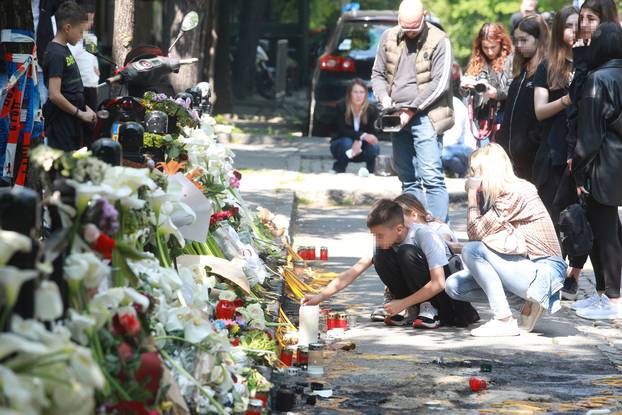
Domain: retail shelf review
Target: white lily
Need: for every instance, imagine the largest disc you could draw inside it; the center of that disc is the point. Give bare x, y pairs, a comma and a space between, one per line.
197, 327
48, 302
85, 368
24, 394
220, 379
11, 343
85, 267
74, 399
35, 331
45, 156
104, 305
165, 279
11, 242
11, 279
79, 324
118, 177
227, 295
254, 316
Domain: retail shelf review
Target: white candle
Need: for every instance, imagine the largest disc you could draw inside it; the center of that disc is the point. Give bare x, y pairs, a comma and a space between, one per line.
309, 324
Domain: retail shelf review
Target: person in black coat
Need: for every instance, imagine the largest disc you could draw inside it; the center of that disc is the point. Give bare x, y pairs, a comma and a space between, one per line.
354, 140
597, 161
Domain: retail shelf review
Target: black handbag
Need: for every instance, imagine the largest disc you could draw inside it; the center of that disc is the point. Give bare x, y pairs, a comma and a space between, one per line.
575, 231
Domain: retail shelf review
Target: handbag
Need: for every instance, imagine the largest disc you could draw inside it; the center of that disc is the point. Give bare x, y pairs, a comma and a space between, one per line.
508, 240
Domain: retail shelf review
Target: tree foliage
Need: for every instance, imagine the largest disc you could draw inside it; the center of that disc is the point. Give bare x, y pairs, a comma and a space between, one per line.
461, 19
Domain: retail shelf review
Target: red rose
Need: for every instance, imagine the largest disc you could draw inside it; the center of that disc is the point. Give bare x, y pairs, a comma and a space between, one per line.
125, 325
149, 373
235, 342
124, 351
104, 245
238, 302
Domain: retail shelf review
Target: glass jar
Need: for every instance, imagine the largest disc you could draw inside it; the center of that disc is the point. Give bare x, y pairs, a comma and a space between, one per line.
316, 354
287, 357
324, 253
156, 122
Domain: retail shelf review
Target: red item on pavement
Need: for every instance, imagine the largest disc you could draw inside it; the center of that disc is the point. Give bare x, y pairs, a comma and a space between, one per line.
477, 384
225, 310
312, 256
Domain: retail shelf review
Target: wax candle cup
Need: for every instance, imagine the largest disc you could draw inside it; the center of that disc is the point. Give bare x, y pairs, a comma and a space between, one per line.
302, 356
255, 407
324, 253
316, 354
263, 397
287, 357
309, 317
331, 322
312, 256
225, 310
342, 321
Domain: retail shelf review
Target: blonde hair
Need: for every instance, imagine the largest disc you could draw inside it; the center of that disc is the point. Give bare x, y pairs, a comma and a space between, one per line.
410, 204
492, 164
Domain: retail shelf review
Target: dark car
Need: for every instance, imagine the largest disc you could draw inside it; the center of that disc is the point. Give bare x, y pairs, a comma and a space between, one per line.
349, 53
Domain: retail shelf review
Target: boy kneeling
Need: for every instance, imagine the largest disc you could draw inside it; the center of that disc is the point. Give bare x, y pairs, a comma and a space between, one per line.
412, 262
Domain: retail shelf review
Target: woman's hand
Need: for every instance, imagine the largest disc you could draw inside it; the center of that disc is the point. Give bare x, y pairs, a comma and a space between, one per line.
472, 184
566, 101
581, 191
467, 82
356, 148
312, 299
394, 307
491, 92
569, 163
371, 139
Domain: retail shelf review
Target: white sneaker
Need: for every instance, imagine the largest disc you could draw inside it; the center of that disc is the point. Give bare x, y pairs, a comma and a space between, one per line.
586, 302
428, 317
603, 310
497, 328
363, 172
527, 322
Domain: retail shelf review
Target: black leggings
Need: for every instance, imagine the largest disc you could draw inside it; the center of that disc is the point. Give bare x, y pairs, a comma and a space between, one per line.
406, 271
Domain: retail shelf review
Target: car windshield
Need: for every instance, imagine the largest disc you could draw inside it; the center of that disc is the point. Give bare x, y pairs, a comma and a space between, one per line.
359, 40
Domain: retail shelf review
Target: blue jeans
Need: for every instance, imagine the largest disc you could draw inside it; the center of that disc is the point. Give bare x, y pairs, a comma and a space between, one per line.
489, 275
456, 159
417, 160
339, 146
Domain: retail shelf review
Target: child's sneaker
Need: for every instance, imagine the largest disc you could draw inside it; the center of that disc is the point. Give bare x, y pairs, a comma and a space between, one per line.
427, 318
497, 328
380, 314
586, 302
402, 320
603, 310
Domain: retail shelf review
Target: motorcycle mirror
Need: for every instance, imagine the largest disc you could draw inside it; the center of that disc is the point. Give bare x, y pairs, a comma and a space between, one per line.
90, 47
191, 20
103, 114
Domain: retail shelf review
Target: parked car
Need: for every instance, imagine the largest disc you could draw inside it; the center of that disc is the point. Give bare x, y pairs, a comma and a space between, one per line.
348, 54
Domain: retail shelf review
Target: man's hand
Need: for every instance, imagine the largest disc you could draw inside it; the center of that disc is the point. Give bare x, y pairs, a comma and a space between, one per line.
356, 148
87, 116
370, 138
405, 117
312, 299
386, 102
394, 307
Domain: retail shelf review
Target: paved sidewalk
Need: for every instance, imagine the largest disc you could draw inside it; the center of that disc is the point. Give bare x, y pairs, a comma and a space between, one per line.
400, 370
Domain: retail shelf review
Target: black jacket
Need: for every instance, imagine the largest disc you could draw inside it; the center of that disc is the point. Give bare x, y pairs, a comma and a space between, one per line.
580, 57
598, 154
343, 129
520, 131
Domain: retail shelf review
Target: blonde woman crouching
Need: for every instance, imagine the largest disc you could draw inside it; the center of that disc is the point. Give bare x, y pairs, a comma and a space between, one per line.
499, 203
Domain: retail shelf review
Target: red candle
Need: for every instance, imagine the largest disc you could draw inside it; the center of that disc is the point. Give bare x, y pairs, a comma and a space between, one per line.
225, 310
324, 253
342, 321
331, 322
312, 256
263, 397
287, 357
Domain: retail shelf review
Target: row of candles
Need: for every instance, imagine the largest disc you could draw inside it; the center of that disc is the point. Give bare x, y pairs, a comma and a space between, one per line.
308, 253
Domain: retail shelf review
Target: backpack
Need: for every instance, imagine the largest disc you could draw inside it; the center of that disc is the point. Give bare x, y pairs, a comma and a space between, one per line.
575, 231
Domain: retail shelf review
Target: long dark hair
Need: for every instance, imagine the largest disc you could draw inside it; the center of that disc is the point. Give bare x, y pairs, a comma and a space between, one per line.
349, 110
560, 69
605, 9
606, 44
535, 26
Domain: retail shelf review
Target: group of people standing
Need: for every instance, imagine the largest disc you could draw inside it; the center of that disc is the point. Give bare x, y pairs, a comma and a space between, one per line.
550, 125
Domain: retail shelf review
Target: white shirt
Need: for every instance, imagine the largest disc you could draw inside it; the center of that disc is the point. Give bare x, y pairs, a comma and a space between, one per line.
357, 121
34, 4
87, 63
460, 133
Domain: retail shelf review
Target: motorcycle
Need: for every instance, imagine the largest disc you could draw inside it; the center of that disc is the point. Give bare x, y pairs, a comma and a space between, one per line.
145, 70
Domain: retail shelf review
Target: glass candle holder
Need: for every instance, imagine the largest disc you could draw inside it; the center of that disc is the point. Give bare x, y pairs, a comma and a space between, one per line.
287, 357
156, 122
324, 253
316, 354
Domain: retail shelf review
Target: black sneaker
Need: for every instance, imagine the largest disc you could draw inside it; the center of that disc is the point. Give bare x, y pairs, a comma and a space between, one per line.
569, 292
427, 318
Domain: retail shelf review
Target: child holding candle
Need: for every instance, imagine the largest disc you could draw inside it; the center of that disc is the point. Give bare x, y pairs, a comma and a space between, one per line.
410, 260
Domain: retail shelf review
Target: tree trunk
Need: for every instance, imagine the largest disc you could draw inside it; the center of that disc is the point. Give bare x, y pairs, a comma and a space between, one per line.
251, 20
222, 70
123, 29
193, 44
16, 14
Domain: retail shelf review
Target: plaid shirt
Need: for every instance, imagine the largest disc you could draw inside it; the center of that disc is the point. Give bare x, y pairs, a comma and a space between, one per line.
521, 206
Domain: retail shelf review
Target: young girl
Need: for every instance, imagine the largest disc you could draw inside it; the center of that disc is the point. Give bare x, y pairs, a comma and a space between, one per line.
491, 63
445, 311
591, 15
519, 131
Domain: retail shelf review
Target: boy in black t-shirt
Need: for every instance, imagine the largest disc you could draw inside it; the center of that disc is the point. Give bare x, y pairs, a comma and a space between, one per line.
65, 110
